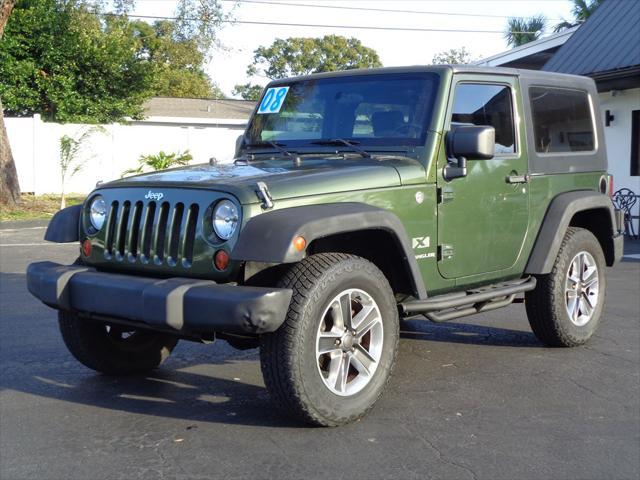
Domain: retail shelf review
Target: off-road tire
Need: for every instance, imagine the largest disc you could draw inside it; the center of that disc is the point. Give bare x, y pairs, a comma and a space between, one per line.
89, 342
546, 304
287, 356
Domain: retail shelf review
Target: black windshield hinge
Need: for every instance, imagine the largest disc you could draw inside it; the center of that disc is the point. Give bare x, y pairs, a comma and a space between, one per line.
264, 196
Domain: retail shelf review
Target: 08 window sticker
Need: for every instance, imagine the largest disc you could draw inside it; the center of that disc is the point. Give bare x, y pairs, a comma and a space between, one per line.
273, 99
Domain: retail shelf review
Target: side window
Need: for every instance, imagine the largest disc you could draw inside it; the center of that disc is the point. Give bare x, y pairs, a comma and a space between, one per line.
561, 120
486, 105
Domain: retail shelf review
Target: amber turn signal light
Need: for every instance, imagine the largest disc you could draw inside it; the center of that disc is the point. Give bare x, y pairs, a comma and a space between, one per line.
221, 260
299, 243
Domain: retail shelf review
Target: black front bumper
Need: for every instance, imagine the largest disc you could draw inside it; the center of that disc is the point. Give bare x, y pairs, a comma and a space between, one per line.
181, 304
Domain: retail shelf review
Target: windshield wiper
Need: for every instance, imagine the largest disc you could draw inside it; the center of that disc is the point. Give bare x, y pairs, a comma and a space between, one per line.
348, 143
277, 146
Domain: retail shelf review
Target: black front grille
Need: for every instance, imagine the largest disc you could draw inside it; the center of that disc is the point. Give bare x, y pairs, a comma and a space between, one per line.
157, 232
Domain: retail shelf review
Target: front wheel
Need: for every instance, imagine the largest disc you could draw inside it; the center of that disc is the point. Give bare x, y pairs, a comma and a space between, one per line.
112, 349
564, 309
331, 359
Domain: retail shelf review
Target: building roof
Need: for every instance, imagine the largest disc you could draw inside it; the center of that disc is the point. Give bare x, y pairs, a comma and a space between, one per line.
531, 55
204, 108
606, 47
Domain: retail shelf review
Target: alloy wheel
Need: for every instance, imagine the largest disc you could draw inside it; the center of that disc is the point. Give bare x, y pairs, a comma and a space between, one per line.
349, 342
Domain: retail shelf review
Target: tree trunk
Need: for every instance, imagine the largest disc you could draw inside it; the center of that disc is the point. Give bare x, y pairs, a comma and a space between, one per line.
9, 186
5, 10
63, 196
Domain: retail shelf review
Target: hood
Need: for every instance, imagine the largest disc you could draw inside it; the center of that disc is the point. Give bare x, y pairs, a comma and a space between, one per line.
314, 176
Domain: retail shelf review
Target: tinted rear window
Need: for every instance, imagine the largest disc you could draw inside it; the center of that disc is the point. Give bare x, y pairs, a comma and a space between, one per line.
562, 120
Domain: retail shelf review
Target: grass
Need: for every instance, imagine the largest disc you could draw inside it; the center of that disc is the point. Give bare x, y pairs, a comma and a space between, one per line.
32, 207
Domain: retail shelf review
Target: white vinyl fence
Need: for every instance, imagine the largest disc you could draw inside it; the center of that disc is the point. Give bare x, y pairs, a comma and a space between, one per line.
36, 148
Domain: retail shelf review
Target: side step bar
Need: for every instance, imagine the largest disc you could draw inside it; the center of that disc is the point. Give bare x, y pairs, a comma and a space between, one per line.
443, 308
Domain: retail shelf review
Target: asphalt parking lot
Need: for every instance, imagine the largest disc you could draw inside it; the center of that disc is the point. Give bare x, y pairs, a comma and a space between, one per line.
476, 400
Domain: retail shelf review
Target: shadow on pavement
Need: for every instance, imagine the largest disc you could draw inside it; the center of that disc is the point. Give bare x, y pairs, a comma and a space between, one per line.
465, 333
34, 361
163, 393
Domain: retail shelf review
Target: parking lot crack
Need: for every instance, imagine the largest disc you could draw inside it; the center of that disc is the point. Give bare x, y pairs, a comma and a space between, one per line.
439, 453
593, 392
605, 354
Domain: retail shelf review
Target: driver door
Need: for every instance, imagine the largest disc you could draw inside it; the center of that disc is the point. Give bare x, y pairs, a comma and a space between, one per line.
483, 217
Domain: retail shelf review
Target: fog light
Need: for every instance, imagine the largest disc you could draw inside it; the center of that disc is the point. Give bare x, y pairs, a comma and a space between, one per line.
299, 243
86, 248
221, 260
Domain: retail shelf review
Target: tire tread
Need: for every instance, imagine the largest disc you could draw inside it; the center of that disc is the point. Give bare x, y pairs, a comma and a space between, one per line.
278, 350
541, 302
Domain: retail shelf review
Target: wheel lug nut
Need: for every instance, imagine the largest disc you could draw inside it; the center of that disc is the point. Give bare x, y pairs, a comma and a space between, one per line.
337, 342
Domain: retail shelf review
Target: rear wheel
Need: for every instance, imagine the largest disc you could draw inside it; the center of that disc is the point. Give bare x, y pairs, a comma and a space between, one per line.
331, 359
564, 309
112, 349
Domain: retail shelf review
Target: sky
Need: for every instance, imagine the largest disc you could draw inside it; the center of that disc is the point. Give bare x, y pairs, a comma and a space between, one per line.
395, 48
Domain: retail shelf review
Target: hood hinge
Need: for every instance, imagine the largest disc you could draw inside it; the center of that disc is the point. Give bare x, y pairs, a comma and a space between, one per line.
264, 196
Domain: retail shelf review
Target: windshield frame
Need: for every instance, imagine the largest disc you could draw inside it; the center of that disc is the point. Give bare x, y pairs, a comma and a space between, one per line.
254, 127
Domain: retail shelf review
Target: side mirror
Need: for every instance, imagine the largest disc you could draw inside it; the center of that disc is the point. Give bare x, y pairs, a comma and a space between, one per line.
468, 142
239, 142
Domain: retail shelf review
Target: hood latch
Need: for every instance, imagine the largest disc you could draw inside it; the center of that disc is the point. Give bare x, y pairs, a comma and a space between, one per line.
264, 196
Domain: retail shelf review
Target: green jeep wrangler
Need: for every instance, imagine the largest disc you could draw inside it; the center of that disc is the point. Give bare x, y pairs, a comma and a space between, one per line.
355, 199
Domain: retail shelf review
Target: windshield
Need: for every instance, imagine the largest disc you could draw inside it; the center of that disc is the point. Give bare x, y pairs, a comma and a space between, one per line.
388, 109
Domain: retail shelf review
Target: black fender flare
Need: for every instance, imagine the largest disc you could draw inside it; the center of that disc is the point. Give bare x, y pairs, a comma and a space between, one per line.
268, 237
556, 221
64, 227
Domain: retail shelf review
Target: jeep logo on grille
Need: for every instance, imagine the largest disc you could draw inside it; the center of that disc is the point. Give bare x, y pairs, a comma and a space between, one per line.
154, 196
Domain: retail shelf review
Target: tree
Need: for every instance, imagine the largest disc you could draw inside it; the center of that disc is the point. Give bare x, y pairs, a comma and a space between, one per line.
9, 186
452, 56
160, 161
582, 10
524, 30
177, 63
303, 56
248, 91
200, 20
71, 62
65, 62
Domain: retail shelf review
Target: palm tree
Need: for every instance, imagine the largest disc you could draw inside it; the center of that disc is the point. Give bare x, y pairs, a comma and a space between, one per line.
582, 10
524, 30
160, 161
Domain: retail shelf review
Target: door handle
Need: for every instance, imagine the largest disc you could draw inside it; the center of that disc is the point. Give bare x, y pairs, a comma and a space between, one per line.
517, 179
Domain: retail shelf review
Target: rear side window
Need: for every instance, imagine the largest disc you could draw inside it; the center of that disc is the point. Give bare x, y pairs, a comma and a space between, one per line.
486, 105
562, 120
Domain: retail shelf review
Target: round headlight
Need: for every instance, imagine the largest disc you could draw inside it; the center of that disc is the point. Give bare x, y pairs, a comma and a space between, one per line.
97, 212
225, 219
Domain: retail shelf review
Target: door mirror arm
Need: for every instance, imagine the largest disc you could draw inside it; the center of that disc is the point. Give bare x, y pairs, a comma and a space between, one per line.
456, 169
